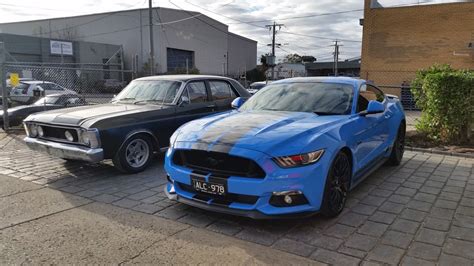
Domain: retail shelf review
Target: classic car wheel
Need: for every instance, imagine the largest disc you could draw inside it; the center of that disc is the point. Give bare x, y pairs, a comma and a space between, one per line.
135, 154
337, 186
398, 147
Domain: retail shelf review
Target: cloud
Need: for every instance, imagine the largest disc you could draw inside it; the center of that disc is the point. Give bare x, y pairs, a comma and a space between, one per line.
233, 13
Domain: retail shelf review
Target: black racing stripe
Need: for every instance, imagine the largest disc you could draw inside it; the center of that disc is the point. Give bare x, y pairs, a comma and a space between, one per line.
225, 140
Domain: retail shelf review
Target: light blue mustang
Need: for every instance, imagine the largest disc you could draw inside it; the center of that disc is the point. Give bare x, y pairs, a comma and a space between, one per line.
295, 148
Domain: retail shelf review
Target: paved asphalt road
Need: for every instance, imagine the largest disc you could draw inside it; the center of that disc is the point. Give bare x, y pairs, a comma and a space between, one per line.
421, 212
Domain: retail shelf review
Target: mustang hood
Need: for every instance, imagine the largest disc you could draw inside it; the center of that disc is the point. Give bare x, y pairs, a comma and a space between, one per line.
77, 115
264, 131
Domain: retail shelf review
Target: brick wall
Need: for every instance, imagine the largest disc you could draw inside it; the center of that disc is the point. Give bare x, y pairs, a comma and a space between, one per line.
397, 41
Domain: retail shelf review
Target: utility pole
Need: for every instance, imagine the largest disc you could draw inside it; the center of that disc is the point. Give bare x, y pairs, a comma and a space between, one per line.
273, 28
336, 57
152, 54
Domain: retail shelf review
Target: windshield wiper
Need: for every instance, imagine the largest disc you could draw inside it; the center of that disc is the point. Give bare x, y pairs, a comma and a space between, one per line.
150, 101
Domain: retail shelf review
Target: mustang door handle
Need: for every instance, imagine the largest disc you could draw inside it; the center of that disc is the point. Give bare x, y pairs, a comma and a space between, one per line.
211, 106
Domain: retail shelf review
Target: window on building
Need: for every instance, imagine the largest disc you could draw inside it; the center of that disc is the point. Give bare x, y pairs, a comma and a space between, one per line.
178, 59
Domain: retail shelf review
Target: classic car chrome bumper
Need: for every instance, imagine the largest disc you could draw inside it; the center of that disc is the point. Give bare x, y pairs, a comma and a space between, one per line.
65, 151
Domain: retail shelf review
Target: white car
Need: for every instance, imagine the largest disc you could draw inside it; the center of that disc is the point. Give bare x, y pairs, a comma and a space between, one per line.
256, 86
24, 92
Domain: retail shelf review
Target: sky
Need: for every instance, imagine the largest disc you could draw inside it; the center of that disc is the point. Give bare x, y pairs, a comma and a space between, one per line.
321, 22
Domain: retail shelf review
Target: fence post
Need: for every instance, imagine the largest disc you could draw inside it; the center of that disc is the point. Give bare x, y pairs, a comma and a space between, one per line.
3, 86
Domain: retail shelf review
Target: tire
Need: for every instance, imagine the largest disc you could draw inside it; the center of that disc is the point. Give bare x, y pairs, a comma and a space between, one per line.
398, 148
337, 186
135, 155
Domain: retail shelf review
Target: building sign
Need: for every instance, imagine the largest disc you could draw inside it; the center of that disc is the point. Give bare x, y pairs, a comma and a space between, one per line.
60, 47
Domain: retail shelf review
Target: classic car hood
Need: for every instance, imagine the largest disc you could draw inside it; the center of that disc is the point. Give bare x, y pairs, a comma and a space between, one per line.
78, 115
265, 131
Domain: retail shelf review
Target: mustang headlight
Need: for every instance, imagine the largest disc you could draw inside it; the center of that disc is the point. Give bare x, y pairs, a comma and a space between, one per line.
90, 137
298, 160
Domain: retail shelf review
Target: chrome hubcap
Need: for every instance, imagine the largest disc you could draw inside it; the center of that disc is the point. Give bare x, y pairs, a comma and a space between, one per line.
137, 153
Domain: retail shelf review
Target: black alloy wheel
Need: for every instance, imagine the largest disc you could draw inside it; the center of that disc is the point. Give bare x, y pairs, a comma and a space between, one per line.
398, 147
337, 186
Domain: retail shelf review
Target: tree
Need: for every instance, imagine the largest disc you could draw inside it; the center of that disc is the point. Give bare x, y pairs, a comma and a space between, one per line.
263, 61
293, 58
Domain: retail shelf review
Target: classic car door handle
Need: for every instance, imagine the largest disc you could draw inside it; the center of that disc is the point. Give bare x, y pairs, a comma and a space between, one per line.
211, 106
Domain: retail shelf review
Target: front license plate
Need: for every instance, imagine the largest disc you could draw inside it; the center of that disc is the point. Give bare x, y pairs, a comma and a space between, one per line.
208, 187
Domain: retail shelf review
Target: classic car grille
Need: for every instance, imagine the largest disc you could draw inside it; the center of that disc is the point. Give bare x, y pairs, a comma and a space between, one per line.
218, 163
58, 133
220, 200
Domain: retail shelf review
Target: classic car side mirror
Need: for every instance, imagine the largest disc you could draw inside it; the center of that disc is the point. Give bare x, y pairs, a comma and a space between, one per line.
237, 102
184, 100
374, 107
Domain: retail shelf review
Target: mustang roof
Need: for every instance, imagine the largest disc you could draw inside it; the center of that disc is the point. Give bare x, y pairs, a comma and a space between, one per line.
345, 80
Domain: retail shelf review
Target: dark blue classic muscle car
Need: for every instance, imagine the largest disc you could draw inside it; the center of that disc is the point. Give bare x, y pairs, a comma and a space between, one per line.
135, 124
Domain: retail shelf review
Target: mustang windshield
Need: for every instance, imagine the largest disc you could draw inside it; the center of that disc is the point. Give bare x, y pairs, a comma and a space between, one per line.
319, 98
159, 91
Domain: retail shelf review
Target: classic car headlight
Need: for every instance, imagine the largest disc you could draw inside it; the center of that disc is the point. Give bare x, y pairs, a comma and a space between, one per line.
33, 130
69, 135
298, 160
90, 137
40, 131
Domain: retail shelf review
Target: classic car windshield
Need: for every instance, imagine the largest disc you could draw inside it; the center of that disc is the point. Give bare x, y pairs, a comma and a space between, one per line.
319, 98
162, 91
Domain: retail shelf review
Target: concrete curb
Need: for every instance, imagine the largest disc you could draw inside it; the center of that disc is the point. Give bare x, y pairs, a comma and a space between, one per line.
435, 151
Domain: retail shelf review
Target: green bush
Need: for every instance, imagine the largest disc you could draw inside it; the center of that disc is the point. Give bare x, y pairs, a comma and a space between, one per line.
446, 97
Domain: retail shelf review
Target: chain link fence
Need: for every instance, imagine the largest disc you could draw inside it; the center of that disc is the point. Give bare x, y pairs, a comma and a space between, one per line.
48, 86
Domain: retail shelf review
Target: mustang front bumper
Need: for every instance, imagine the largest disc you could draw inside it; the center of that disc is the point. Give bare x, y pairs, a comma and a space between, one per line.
65, 151
252, 197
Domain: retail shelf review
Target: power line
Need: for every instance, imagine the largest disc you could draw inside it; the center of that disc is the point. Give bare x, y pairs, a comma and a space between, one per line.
205, 22
258, 26
300, 17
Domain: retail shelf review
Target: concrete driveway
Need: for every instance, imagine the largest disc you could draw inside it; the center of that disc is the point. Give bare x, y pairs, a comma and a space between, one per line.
421, 212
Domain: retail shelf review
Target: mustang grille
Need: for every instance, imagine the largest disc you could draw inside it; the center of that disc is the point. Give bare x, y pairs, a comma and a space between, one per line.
218, 163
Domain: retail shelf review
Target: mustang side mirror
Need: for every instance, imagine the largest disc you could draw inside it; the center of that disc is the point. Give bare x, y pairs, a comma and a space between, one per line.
237, 102
374, 107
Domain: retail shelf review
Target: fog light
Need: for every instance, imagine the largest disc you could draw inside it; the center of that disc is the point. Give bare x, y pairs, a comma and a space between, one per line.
40, 131
69, 136
288, 199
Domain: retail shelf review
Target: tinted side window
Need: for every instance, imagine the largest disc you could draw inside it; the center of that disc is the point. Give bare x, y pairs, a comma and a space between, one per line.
221, 90
364, 98
197, 92
379, 96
